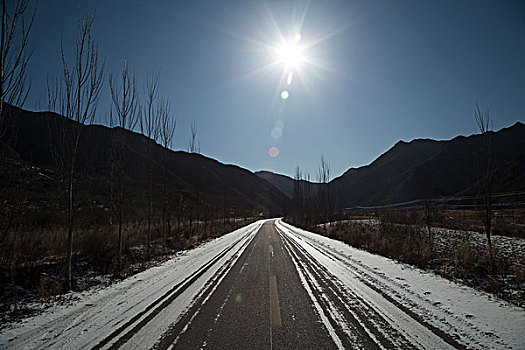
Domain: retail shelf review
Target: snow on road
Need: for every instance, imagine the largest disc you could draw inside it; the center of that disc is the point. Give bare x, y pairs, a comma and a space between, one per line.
356, 294
160, 296
472, 318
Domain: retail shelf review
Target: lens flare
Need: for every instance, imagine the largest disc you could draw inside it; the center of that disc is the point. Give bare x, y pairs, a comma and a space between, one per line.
290, 78
273, 152
277, 133
297, 36
285, 94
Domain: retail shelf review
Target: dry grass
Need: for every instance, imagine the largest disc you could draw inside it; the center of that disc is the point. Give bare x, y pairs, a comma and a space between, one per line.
508, 222
32, 256
403, 236
401, 242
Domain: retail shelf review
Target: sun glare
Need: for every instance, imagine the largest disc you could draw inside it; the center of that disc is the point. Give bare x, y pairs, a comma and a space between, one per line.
290, 54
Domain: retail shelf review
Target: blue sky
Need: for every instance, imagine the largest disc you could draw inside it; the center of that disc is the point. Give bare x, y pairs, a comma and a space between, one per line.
373, 73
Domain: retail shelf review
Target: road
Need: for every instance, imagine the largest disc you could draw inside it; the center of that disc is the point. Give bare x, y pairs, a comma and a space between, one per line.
305, 309
271, 286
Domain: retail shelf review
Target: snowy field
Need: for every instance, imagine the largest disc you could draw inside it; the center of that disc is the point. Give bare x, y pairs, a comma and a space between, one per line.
472, 318
510, 248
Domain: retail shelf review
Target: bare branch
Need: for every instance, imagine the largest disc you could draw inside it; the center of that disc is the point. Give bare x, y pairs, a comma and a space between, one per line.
75, 96
167, 130
124, 99
149, 124
486, 154
167, 124
14, 58
193, 144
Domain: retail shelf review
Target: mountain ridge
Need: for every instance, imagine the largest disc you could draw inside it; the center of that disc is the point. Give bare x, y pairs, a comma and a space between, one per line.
420, 168
427, 168
187, 172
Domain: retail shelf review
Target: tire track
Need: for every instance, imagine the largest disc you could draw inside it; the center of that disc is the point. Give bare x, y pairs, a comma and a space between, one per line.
350, 332
370, 330
170, 338
375, 325
142, 318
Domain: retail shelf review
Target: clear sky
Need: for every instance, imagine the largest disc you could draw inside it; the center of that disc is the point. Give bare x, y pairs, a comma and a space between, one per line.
366, 74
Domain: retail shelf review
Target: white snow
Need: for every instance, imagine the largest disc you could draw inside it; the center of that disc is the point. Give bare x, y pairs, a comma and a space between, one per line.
97, 314
475, 319
318, 307
510, 248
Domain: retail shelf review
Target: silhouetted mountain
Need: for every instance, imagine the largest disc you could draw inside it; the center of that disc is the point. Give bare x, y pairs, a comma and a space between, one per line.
419, 169
230, 185
282, 182
426, 168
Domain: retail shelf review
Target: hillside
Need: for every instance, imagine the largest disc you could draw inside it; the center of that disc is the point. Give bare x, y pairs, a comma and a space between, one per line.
282, 182
418, 169
425, 168
229, 185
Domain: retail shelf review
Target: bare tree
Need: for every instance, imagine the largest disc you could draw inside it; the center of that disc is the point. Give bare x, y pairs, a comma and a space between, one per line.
179, 210
297, 194
428, 217
149, 126
124, 99
75, 96
194, 145
325, 201
484, 123
167, 130
14, 57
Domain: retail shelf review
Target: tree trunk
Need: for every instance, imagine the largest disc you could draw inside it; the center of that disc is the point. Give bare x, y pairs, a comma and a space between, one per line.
120, 223
69, 233
168, 224
488, 227
120, 260
2, 67
150, 204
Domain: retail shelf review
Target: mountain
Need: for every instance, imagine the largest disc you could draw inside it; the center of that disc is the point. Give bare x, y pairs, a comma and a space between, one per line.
282, 182
425, 168
230, 185
285, 183
419, 169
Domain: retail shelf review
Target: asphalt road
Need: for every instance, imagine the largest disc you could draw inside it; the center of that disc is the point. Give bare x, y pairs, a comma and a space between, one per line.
260, 287
262, 303
245, 313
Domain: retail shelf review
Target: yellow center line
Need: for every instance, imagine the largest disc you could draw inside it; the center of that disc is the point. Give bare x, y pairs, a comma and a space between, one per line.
275, 313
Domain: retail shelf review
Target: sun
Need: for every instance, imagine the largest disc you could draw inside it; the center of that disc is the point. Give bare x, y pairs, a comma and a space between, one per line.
290, 54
